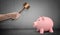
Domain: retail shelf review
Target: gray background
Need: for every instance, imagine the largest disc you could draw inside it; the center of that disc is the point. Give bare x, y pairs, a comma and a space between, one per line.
50, 8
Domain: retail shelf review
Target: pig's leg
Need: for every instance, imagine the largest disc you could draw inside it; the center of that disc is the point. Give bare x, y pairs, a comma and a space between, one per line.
51, 30
41, 31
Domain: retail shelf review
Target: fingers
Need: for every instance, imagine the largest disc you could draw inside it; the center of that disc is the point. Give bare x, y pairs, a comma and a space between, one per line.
17, 15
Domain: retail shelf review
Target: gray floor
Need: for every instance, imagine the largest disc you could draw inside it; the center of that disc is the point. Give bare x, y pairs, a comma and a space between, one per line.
26, 32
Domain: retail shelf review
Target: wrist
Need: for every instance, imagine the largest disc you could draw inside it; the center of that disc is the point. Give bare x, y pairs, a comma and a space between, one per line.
8, 15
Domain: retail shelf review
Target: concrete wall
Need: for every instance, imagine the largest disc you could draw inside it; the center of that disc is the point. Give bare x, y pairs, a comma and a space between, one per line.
38, 8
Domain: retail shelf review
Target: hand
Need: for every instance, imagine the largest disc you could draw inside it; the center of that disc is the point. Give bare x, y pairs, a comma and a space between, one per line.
14, 15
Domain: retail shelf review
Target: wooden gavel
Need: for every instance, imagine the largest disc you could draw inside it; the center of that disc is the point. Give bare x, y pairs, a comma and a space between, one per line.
25, 6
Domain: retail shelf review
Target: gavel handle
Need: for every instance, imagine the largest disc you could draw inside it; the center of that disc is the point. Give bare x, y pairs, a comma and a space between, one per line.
21, 10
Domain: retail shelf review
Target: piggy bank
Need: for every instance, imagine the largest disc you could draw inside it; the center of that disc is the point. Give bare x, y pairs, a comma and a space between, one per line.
43, 24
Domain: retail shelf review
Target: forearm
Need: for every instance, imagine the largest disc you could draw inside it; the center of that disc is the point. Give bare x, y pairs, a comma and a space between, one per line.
4, 17
13, 15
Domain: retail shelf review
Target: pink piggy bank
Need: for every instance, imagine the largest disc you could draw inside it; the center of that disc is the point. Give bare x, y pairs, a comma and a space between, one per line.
43, 24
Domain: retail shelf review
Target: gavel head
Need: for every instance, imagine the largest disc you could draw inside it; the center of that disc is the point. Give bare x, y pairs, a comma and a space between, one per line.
26, 5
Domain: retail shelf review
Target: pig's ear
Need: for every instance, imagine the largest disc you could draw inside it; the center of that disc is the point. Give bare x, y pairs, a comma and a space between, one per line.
42, 17
38, 19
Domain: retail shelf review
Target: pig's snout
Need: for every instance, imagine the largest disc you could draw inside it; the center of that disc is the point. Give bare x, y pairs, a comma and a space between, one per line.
35, 24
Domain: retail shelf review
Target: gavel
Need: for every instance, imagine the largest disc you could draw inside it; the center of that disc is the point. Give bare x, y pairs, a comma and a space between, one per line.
25, 6
14, 14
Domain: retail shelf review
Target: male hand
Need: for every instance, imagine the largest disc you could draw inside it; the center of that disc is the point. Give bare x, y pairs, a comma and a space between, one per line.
14, 15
